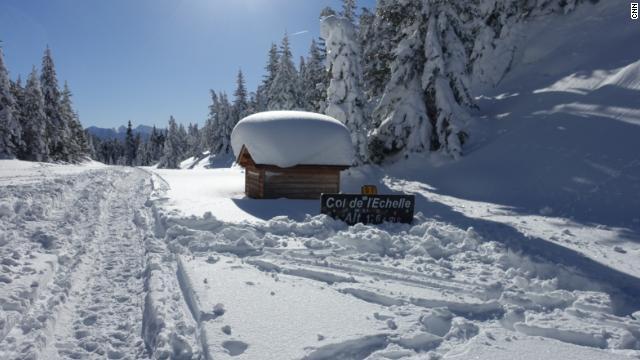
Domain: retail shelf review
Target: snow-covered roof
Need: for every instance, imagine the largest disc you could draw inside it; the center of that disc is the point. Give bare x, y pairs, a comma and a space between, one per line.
290, 138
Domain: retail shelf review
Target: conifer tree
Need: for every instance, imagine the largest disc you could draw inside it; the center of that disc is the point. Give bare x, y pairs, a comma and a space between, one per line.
314, 80
240, 104
57, 129
284, 92
263, 91
377, 37
172, 147
194, 141
183, 142
303, 100
156, 149
33, 122
10, 132
345, 99
17, 90
226, 124
349, 10
400, 117
129, 146
209, 129
77, 142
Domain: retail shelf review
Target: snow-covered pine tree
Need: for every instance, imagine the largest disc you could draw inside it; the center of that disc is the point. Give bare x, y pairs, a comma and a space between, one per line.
378, 36
34, 120
17, 90
263, 92
156, 148
400, 119
77, 143
183, 141
326, 12
226, 123
58, 133
303, 101
144, 156
284, 92
252, 103
172, 147
91, 146
137, 141
219, 124
314, 80
345, 100
194, 141
424, 105
130, 146
240, 102
10, 132
210, 126
349, 10
445, 78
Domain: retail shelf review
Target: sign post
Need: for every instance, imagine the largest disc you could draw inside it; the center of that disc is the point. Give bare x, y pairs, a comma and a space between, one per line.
368, 209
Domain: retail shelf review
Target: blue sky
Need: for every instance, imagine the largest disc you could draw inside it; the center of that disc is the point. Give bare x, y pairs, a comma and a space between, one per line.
143, 60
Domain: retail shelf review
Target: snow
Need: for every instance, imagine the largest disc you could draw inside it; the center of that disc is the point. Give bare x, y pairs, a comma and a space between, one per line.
500, 345
429, 286
345, 99
289, 138
220, 191
79, 263
291, 311
24, 172
526, 247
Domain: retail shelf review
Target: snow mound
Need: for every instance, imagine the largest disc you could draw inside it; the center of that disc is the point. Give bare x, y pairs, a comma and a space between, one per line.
289, 138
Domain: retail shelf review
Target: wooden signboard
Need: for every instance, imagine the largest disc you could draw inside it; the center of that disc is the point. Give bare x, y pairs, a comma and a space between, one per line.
368, 209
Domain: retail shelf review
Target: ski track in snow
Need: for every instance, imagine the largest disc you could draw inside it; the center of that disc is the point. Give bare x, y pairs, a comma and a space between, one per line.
82, 279
115, 264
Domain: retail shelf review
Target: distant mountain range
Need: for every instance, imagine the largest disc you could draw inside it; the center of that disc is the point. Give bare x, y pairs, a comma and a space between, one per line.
120, 132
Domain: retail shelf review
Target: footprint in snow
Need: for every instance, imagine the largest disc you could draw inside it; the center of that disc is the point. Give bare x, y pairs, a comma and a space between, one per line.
619, 249
90, 320
234, 347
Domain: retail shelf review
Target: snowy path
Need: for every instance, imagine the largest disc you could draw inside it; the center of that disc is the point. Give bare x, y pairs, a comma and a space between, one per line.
75, 267
99, 324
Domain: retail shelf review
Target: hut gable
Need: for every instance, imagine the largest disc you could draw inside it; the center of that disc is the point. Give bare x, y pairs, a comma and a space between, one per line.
244, 158
291, 154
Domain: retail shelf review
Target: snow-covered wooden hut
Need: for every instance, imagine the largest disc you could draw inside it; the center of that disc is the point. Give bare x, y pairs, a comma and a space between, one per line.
291, 154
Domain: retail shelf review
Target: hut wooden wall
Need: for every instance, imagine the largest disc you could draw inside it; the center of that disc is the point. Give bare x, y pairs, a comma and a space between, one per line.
293, 183
298, 182
254, 182
301, 184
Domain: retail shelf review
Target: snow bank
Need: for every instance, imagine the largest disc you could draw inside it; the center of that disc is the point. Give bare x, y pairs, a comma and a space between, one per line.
431, 289
289, 138
420, 288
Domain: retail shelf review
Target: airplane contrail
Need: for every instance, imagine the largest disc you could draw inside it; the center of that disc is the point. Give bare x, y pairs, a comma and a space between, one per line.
300, 32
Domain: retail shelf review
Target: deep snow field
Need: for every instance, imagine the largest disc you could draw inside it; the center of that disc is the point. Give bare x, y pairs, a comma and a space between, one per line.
528, 247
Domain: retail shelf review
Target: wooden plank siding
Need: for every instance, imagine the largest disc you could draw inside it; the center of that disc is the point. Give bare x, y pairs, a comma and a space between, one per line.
301, 186
298, 182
